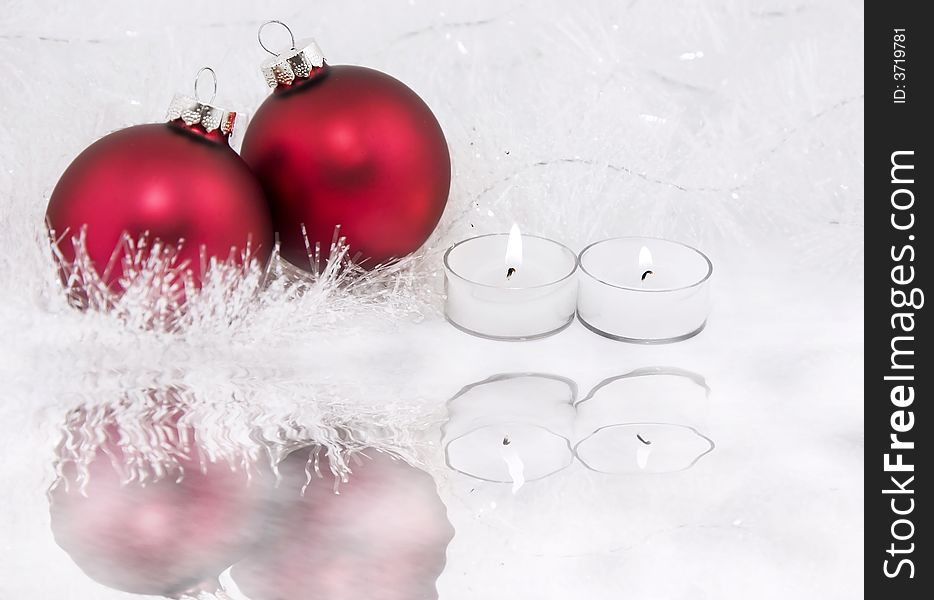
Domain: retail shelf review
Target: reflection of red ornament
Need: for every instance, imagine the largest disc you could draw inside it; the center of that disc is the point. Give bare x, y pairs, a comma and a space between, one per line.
347, 146
159, 535
383, 537
178, 182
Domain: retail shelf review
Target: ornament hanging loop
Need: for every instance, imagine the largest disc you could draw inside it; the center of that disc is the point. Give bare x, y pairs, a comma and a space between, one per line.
198, 80
259, 35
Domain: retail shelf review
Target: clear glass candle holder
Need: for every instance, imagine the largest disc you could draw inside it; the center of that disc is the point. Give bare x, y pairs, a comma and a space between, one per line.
511, 428
485, 296
644, 290
646, 421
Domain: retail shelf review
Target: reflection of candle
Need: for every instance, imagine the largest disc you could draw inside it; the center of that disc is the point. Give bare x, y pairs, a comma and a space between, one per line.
645, 421
511, 428
510, 286
643, 452
514, 465
532, 452
626, 448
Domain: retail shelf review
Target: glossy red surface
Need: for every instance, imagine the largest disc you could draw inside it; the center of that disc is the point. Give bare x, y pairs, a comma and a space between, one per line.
175, 182
353, 147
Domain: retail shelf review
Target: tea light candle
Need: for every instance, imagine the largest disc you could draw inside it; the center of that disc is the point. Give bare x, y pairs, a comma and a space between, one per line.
645, 290
510, 286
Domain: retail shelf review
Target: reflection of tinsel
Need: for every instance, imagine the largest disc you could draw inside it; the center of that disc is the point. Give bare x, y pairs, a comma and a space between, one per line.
146, 429
147, 434
156, 298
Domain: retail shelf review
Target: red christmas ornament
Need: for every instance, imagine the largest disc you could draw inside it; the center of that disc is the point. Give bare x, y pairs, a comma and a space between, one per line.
159, 533
177, 182
351, 147
382, 537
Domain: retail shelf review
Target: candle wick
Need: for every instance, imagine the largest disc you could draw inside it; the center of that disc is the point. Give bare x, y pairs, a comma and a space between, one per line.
646, 274
510, 272
506, 441
646, 442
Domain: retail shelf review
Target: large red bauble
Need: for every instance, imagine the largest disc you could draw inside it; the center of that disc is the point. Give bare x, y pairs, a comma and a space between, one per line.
354, 147
173, 182
382, 537
162, 536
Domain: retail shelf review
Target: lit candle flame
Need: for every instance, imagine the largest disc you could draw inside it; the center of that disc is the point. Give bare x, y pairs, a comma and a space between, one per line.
513, 258
645, 258
645, 262
514, 465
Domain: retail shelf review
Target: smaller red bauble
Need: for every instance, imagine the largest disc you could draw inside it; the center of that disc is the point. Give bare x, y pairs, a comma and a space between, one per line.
380, 535
351, 147
178, 183
151, 533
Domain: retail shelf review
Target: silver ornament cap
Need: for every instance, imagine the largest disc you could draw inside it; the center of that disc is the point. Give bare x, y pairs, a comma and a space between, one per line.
292, 64
297, 62
194, 111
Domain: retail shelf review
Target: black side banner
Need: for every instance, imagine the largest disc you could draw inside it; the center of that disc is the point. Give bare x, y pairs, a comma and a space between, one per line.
899, 371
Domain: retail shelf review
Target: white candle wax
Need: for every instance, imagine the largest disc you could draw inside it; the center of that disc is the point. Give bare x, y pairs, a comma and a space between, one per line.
646, 264
524, 276
490, 296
